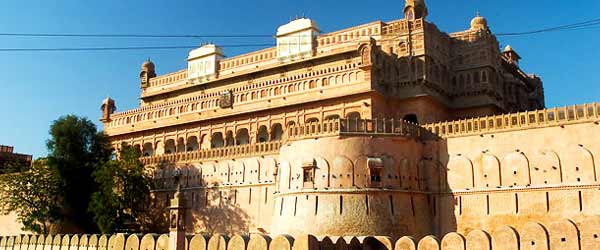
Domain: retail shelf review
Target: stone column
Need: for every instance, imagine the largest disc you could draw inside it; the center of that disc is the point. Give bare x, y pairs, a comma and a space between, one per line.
177, 219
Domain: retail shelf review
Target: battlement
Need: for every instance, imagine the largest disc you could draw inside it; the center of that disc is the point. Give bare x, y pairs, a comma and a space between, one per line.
558, 235
518, 121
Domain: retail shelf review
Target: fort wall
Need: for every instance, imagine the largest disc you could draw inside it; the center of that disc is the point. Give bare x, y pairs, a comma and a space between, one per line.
560, 234
540, 165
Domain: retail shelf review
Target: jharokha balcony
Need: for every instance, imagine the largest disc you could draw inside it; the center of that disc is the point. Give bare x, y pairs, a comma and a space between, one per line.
312, 130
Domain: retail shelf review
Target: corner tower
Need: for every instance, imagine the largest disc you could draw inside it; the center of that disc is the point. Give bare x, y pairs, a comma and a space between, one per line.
415, 9
146, 73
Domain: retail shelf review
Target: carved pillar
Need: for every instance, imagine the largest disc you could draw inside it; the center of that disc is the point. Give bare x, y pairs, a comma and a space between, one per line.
177, 220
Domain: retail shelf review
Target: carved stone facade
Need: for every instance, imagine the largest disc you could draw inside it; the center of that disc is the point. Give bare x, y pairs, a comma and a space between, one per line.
325, 139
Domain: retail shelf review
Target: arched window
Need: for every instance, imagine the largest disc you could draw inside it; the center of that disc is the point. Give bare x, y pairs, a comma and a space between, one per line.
353, 116
147, 149
332, 117
242, 137
312, 84
192, 143
229, 138
216, 140
353, 121
170, 146
311, 120
180, 145
476, 78
411, 118
276, 132
263, 134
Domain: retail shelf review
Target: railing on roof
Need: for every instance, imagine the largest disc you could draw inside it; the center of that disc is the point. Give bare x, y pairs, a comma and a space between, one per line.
349, 127
169, 78
522, 120
247, 150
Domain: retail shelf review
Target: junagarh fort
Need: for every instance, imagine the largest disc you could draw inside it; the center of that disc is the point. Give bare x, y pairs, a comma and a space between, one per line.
389, 135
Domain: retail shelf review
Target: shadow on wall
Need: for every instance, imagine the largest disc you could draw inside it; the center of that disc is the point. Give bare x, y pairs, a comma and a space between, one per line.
211, 209
216, 211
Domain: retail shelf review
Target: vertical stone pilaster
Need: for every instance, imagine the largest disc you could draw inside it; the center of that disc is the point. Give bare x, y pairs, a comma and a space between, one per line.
177, 220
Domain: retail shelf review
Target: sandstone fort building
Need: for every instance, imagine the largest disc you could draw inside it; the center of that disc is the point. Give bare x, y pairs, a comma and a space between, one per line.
387, 129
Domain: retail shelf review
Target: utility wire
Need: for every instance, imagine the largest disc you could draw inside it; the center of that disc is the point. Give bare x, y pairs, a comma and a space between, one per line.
128, 35
591, 24
108, 35
126, 48
574, 26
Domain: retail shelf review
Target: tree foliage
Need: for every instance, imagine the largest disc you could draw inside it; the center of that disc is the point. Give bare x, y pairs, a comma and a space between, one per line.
33, 195
76, 149
123, 191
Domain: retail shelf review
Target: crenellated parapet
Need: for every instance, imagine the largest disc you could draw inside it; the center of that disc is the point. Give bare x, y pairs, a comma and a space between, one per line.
518, 121
558, 235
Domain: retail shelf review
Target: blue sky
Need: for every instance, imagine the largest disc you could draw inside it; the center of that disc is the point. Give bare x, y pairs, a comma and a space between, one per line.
38, 87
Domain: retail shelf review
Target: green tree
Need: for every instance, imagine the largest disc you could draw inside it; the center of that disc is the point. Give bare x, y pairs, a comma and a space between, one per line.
33, 195
76, 150
123, 191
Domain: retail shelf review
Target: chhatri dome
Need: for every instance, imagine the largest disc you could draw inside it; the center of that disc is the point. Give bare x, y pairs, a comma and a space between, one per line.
148, 66
479, 23
415, 9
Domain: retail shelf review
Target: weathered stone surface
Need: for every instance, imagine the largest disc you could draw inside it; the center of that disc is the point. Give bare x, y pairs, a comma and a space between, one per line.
18, 241
564, 235
238, 242
259, 242
65, 242
74, 243
84, 242
429, 243
406, 243
133, 242
103, 242
199, 242
93, 242
505, 237
162, 243
306, 242
10, 242
32, 242
478, 240
217, 242
116, 242
534, 236
453, 241
282, 242
590, 232
148, 242
3, 242
48, 242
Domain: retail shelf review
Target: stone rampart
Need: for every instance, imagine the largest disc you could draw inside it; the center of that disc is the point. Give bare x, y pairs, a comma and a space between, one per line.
563, 235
